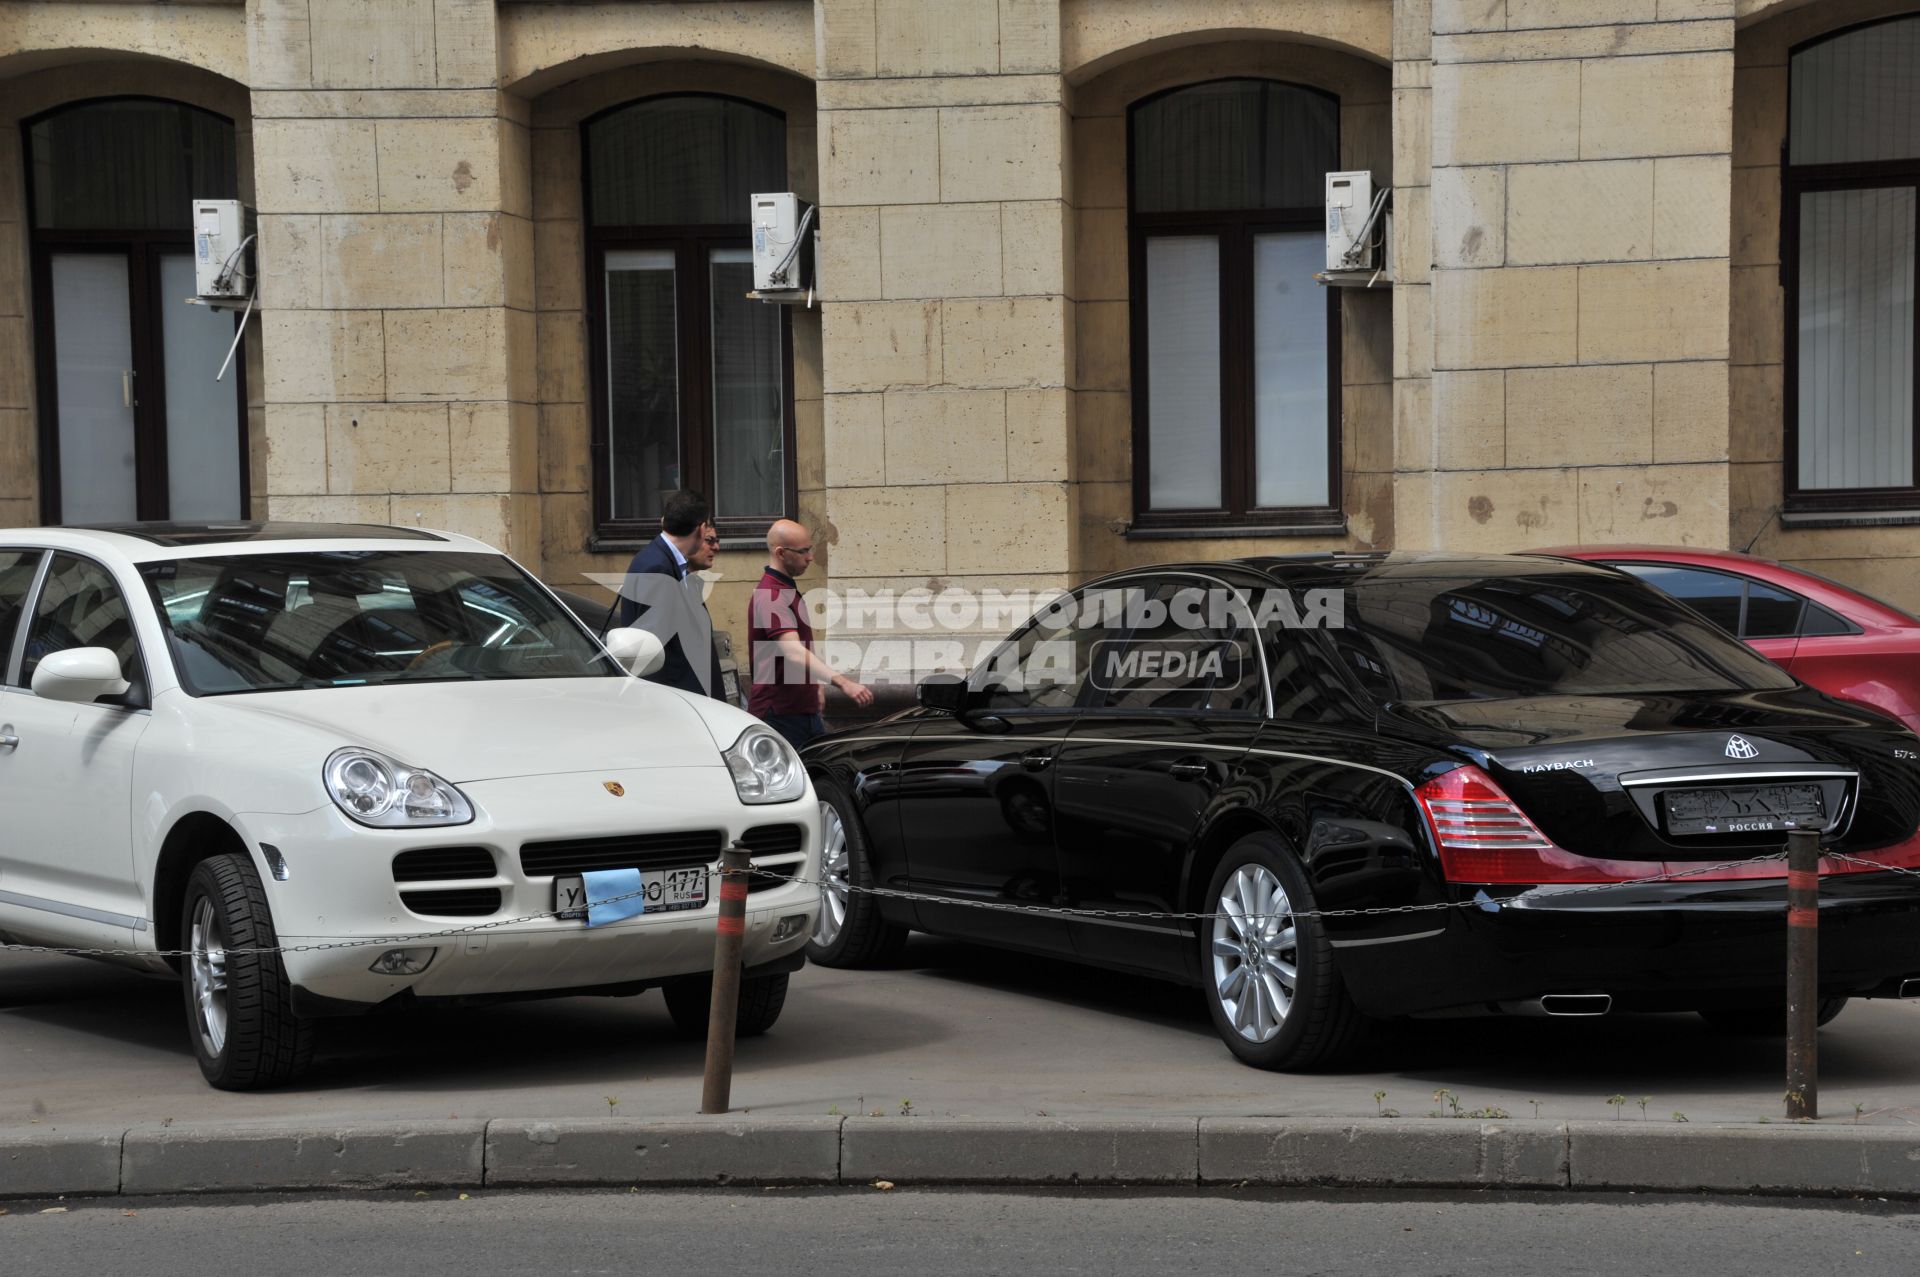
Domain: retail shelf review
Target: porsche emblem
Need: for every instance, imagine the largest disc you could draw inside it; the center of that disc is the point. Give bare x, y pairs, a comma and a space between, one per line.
614, 787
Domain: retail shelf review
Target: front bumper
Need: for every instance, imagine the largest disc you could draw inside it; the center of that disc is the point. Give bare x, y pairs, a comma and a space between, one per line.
339, 908
1667, 946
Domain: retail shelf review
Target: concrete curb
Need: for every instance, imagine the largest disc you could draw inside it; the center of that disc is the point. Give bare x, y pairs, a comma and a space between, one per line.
1835, 1159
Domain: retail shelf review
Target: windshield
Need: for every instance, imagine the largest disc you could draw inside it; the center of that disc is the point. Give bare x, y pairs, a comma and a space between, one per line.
1423, 636
348, 618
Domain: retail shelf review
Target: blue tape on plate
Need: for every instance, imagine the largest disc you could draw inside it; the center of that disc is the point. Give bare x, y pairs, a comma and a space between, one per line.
603, 885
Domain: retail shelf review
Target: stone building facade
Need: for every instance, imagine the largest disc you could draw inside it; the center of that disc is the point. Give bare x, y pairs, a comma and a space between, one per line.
1066, 318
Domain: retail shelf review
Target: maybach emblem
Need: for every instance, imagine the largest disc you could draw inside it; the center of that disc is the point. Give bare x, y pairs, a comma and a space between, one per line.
1741, 747
614, 787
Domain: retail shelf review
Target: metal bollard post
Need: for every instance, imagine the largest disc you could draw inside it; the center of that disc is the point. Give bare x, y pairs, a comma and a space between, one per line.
729, 936
1803, 973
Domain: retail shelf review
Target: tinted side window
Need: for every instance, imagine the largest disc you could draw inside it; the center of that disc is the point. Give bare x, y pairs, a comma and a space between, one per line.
1044, 667
1771, 613
1820, 621
1193, 650
1713, 595
80, 606
16, 578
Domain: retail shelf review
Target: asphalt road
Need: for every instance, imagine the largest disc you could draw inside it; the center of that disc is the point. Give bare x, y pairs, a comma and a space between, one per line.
952, 1030
849, 1232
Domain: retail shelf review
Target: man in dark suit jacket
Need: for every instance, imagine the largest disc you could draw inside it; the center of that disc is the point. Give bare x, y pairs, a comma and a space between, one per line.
686, 544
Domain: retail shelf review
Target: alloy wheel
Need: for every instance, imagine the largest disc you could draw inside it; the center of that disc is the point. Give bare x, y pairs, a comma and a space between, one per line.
208, 943
836, 888
1256, 953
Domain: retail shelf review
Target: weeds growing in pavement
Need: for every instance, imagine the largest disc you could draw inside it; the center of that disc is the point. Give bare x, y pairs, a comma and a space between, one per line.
1858, 1109
906, 1108
1644, 1101
1678, 1116
1380, 1103
613, 1103
1618, 1102
1536, 1108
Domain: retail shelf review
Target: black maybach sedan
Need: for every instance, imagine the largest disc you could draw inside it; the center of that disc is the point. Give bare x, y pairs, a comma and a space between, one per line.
1275, 748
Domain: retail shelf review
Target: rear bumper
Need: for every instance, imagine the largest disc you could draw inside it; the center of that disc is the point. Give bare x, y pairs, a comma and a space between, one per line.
1670, 946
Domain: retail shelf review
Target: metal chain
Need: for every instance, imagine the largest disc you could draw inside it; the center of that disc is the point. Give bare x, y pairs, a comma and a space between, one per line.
1479, 900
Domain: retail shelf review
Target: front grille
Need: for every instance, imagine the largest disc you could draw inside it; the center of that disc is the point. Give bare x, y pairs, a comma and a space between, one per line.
442, 864
454, 902
774, 840
622, 851
767, 841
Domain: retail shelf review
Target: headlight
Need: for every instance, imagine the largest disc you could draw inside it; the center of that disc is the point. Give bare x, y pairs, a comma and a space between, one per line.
375, 790
765, 768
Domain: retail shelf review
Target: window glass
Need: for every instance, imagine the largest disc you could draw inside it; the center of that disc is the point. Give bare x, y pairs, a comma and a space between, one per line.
1422, 636
1234, 144
643, 383
1771, 613
16, 578
1290, 335
1191, 650
128, 164
1045, 666
80, 606
275, 622
683, 160
749, 394
1854, 96
1183, 371
1855, 350
1714, 595
1820, 621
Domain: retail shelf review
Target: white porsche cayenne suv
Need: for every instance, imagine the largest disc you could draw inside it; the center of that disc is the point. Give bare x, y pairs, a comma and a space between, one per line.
312, 770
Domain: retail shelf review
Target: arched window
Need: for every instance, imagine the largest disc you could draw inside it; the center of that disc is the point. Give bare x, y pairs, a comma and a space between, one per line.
132, 423
692, 386
1235, 358
1852, 190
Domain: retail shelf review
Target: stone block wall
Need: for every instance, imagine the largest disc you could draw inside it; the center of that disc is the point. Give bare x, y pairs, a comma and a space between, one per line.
1575, 341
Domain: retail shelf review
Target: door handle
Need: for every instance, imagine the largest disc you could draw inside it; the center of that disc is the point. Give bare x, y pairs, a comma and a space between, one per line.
1037, 760
1189, 770
8, 741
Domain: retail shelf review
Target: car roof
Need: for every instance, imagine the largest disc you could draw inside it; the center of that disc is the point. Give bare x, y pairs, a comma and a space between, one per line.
145, 542
1339, 568
1850, 601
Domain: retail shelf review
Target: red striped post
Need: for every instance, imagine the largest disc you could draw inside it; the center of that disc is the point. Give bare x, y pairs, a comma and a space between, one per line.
729, 935
1803, 973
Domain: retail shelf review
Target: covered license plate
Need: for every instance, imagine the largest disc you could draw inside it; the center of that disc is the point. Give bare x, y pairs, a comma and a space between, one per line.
662, 891
1744, 809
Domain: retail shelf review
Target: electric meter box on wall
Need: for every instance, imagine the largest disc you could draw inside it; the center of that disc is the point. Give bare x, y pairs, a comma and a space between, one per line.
220, 265
778, 226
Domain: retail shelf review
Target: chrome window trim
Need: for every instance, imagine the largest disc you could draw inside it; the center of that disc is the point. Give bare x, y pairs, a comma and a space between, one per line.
1775, 772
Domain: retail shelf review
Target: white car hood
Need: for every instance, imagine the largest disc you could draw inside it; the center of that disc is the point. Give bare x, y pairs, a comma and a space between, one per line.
473, 731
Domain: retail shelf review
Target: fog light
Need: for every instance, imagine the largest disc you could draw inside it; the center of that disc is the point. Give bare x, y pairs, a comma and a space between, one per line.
402, 962
794, 924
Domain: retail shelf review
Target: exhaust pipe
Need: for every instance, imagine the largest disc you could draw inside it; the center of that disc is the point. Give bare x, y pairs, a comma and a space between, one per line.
1573, 1004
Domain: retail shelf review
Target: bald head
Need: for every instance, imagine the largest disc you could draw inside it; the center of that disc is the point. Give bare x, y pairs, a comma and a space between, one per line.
789, 547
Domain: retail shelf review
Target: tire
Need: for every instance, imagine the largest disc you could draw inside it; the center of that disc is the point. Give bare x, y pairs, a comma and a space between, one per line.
690, 1001
239, 1005
850, 931
1319, 1025
1770, 1021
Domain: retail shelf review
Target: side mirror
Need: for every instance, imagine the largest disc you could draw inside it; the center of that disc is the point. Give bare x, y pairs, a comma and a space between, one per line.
79, 674
640, 651
944, 692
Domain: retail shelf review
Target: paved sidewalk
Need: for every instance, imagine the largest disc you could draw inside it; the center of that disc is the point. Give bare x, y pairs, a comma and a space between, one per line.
1079, 1075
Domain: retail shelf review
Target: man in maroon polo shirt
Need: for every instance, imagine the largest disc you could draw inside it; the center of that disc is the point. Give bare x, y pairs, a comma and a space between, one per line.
787, 674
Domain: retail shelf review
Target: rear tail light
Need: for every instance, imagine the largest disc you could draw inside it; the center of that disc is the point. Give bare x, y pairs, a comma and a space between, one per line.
1484, 837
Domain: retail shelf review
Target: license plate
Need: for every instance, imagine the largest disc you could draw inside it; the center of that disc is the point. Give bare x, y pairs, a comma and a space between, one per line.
663, 891
1744, 809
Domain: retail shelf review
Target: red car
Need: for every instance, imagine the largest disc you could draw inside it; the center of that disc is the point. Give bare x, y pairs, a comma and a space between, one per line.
1847, 644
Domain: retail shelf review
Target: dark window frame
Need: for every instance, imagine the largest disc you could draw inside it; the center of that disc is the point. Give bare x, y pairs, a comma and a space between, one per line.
1802, 179
1235, 231
691, 245
142, 250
